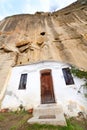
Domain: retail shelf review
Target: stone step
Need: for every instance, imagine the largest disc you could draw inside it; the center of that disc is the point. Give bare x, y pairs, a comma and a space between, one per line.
58, 120
47, 109
48, 114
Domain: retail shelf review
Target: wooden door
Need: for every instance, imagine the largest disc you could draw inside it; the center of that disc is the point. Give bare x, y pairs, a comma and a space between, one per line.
47, 92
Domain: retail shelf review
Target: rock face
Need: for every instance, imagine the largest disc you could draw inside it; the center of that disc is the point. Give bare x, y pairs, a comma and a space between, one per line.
59, 36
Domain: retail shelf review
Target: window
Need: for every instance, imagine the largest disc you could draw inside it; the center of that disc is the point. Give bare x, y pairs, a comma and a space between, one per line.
23, 81
67, 76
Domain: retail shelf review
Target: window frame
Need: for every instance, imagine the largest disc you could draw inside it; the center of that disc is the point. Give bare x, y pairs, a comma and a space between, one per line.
68, 76
23, 81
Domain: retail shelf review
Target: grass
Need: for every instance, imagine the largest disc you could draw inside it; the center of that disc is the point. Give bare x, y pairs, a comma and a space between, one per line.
13, 128
50, 127
2, 117
69, 126
18, 121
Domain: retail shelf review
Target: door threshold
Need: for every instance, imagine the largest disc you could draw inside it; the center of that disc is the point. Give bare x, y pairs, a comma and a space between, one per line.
48, 105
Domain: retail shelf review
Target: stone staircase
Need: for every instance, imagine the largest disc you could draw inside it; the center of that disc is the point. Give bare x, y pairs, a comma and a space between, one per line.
48, 114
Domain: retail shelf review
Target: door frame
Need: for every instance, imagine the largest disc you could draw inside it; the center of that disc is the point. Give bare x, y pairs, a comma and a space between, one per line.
53, 93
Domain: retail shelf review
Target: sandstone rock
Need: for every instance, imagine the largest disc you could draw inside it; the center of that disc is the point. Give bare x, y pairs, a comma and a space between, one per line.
58, 36
7, 48
85, 36
40, 40
64, 36
0, 33
23, 48
22, 43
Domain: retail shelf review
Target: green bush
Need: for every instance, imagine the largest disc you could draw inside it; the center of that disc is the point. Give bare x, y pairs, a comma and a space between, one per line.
79, 73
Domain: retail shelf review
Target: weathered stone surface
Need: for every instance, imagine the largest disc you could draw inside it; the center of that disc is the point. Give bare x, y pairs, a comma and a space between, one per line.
22, 40
40, 40
48, 114
22, 43
6, 61
7, 48
23, 48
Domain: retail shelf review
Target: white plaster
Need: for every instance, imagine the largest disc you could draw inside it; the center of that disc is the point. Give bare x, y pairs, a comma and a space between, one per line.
66, 95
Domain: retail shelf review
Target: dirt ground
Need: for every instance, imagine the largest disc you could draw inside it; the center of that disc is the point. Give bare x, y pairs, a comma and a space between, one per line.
18, 121
12, 120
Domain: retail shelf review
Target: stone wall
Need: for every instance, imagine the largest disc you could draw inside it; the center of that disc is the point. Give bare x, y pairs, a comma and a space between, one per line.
58, 36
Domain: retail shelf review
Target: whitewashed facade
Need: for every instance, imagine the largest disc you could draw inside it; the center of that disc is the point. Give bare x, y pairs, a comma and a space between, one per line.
30, 97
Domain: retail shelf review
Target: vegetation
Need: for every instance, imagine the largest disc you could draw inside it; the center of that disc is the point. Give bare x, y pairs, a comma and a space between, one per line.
80, 74
70, 126
18, 121
2, 117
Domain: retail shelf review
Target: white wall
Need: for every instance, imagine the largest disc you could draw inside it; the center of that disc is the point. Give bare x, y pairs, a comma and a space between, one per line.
66, 95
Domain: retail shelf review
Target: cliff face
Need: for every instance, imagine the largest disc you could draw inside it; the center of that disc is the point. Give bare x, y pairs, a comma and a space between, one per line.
58, 36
